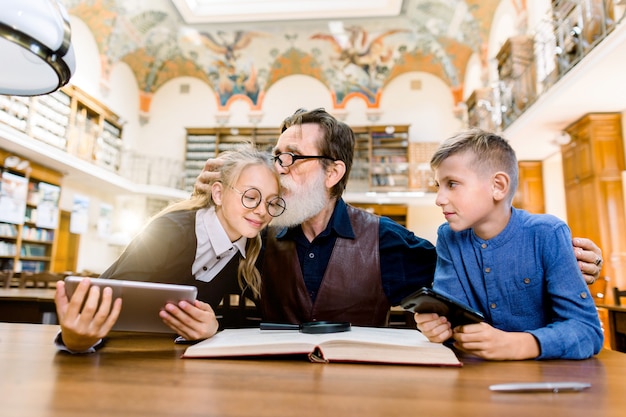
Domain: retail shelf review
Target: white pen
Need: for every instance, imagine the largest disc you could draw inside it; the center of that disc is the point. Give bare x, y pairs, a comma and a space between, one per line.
540, 387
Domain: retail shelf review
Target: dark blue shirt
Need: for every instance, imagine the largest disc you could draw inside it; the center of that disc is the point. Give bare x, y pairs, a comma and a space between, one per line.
407, 262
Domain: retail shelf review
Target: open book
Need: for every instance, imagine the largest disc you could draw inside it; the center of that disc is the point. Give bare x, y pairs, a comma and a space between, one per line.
360, 344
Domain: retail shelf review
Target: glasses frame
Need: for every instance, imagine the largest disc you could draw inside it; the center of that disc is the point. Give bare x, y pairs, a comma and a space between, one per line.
294, 158
258, 203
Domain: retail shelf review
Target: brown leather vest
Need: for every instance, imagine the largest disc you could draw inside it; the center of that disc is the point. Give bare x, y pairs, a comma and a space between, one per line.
351, 289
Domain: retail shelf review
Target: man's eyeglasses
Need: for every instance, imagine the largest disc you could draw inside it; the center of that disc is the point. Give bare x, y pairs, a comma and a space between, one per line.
287, 159
251, 199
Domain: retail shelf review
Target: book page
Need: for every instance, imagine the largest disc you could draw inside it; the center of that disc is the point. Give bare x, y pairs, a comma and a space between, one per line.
248, 342
386, 345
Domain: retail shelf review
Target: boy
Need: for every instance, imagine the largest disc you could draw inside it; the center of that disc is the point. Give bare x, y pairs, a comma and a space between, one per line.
517, 268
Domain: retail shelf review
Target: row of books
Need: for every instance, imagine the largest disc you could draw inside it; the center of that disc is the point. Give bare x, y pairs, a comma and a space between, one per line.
32, 266
7, 264
7, 248
8, 230
32, 250
36, 233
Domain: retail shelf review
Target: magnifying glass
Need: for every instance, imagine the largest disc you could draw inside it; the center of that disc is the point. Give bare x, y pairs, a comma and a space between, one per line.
312, 327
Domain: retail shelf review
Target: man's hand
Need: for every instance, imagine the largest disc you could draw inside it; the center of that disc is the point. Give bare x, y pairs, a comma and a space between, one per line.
589, 258
208, 175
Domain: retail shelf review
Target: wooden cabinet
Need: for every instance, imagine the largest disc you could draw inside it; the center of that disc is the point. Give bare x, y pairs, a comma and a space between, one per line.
480, 109
517, 75
205, 143
593, 162
396, 212
29, 207
95, 132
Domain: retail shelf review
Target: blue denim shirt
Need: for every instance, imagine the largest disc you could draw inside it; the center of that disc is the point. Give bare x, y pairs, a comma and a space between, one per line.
526, 279
407, 262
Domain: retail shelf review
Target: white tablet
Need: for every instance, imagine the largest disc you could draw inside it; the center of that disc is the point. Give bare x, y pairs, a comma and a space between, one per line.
141, 301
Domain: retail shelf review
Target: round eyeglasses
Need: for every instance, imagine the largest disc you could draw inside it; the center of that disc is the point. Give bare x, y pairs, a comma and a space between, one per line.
287, 159
252, 197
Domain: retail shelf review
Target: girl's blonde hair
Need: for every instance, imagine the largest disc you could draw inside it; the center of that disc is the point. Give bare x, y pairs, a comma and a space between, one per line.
233, 164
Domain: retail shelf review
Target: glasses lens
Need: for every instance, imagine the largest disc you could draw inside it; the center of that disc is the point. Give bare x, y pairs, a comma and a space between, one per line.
284, 159
251, 198
276, 207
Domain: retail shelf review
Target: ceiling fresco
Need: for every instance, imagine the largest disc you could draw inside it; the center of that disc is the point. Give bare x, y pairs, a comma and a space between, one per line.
352, 57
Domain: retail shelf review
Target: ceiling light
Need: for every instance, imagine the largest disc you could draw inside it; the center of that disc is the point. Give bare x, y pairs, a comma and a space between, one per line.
37, 55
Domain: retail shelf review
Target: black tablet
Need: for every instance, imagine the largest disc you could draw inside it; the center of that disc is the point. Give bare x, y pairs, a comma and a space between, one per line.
427, 300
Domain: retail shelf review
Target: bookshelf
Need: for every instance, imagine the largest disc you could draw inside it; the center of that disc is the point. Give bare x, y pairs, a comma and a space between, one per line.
382, 154
29, 216
68, 119
205, 143
389, 164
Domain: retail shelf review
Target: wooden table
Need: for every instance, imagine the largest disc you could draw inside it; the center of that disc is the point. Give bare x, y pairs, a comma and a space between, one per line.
143, 375
27, 305
617, 326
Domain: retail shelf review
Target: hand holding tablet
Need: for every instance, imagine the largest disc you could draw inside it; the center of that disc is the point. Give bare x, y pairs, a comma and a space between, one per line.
142, 301
427, 300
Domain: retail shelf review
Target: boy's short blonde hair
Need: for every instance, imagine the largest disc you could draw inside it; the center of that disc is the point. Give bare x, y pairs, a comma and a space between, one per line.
492, 153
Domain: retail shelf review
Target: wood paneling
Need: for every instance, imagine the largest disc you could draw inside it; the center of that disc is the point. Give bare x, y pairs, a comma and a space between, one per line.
529, 195
592, 167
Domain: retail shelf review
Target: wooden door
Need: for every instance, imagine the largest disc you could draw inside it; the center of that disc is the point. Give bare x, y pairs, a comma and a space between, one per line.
66, 257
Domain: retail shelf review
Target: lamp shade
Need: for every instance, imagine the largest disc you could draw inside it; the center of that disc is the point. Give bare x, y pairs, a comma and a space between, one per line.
37, 56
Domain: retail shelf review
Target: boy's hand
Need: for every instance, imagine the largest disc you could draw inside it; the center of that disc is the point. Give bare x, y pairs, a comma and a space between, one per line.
436, 328
487, 342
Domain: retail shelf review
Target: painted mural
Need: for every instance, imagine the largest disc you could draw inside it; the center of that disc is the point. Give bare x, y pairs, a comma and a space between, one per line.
355, 60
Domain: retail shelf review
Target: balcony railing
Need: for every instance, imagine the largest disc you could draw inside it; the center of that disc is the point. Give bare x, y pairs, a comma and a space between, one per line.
566, 34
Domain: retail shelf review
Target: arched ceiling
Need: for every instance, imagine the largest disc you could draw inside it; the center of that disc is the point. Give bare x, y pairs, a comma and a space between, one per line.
242, 59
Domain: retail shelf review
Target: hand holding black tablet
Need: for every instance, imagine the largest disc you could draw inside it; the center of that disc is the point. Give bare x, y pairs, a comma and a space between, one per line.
427, 300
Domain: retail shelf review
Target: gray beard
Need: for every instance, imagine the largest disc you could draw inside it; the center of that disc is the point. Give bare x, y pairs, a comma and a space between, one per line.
303, 202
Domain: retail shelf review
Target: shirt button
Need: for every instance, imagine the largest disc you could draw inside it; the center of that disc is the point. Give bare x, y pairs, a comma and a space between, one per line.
311, 255
204, 268
583, 295
492, 305
487, 270
526, 280
484, 246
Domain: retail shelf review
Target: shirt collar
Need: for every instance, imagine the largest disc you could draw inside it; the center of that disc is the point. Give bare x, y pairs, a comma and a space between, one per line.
212, 230
339, 224
506, 234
